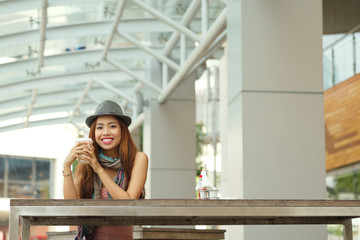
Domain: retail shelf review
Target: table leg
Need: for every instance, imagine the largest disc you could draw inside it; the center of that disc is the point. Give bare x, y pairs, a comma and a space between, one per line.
14, 223
25, 229
348, 233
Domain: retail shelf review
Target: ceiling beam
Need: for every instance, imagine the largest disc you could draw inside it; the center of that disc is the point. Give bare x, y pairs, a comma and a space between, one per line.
114, 90
94, 28
204, 17
8, 7
134, 90
43, 23
210, 51
148, 50
93, 99
64, 95
188, 17
113, 30
218, 26
46, 110
156, 13
83, 56
62, 120
134, 76
58, 32
137, 122
72, 78
80, 101
31, 107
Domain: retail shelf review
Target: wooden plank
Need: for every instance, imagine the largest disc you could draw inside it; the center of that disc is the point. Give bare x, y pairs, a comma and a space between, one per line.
181, 212
342, 123
112, 221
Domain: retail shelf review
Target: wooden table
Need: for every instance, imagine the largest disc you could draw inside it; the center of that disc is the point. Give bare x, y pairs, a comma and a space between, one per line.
179, 212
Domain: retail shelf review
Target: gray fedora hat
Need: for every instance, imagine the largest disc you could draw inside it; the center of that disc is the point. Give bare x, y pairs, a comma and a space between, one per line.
108, 107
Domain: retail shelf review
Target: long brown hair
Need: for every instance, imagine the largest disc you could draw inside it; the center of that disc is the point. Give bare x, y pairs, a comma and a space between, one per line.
127, 153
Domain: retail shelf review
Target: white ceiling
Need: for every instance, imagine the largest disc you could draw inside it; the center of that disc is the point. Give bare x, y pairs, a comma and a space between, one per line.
59, 59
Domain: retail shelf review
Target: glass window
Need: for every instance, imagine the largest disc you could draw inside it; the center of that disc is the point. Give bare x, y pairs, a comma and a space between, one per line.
20, 51
42, 190
2, 168
42, 170
344, 59
356, 182
58, 46
344, 186
328, 69
80, 13
22, 177
16, 190
19, 21
20, 169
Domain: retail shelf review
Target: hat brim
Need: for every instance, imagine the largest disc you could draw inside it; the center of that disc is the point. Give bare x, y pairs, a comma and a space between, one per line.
89, 120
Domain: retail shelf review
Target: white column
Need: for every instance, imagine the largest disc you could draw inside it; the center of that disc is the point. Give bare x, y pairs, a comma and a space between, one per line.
275, 123
169, 140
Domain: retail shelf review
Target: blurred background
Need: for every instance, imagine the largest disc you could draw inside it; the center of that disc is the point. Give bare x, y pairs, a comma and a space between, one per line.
169, 64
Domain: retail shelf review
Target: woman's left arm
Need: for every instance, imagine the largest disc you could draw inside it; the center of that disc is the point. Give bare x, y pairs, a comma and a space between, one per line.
136, 183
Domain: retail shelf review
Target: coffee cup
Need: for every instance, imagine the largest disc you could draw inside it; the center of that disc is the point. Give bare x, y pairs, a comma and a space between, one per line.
83, 140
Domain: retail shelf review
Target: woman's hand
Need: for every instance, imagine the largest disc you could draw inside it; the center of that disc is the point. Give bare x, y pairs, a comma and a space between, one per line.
75, 153
89, 155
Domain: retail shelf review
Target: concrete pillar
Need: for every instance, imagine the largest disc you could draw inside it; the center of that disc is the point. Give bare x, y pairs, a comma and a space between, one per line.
169, 140
275, 123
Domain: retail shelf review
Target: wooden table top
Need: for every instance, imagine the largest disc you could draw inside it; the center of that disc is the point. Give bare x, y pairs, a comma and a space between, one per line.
185, 211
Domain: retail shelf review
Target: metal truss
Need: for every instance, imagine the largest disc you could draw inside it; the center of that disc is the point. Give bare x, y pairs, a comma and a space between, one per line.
47, 82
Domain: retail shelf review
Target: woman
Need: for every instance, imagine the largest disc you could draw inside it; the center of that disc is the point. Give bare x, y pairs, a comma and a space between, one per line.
116, 170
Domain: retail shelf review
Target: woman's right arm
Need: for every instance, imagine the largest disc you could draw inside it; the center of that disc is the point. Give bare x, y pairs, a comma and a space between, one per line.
69, 189
71, 185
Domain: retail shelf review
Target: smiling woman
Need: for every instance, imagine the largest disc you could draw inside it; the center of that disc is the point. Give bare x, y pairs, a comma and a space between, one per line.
116, 170
107, 134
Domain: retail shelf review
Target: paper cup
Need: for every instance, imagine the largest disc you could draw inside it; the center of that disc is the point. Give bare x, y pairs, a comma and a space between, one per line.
84, 140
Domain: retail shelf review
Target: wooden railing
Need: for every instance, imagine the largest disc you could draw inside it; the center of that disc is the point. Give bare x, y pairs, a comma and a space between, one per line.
179, 212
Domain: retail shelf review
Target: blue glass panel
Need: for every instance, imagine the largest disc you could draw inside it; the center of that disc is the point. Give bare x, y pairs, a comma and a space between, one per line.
328, 70
20, 169
344, 60
42, 170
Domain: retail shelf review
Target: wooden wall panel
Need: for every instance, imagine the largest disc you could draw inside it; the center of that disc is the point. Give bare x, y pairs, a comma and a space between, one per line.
342, 123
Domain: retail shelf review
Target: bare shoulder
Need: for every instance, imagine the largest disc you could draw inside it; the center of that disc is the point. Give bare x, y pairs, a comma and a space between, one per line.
141, 160
141, 156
